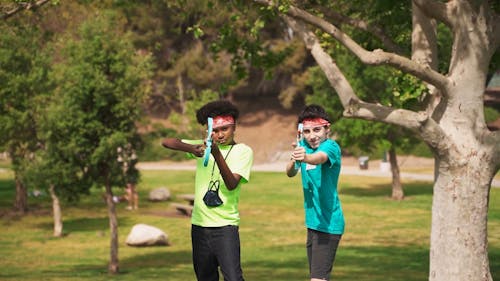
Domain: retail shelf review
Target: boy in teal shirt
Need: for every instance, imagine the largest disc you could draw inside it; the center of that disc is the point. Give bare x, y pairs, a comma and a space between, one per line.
214, 232
320, 160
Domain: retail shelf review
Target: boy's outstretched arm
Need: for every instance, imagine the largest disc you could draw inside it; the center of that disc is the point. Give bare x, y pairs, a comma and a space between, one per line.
177, 144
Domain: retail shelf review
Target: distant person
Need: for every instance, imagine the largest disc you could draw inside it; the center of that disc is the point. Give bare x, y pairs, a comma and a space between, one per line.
128, 158
318, 158
215, 223
131, 196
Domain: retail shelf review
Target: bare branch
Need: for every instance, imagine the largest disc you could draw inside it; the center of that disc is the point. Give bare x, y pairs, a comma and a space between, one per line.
333, 73
376, 57
23, 6
425, 127
435, 9
401, 117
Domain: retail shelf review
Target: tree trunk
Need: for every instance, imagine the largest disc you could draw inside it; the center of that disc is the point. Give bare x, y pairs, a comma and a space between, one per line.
21, 203
113, 227
397, 188
459, 244
56, 209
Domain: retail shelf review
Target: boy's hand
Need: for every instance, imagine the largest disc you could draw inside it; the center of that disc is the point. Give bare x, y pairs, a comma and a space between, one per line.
299, 153
198, 150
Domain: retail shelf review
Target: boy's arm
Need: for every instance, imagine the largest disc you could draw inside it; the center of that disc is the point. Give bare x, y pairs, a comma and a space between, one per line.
290, 169
299, 154
177, 144
316, 158
230, 179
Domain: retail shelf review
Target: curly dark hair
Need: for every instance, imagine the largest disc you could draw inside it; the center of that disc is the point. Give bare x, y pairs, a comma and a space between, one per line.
217, 108
313, 111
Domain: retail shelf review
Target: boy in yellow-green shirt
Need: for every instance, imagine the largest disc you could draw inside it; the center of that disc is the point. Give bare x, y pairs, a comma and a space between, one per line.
215, 226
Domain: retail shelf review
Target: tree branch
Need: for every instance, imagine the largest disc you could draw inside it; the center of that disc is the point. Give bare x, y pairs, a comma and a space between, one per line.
324, 60
377, 31
23, 6
356, 108
376, 57
436, 10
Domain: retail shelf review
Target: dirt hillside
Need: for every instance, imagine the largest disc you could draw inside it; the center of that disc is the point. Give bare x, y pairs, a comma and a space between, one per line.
267, 128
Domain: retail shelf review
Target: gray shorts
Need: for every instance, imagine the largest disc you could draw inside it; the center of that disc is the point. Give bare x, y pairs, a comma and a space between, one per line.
321, 250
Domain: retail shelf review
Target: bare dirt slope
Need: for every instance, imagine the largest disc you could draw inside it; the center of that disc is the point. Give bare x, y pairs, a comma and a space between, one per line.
267, 129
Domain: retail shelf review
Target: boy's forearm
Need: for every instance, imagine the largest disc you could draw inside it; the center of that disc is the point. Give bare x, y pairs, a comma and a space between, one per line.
177, 144
315, 158
231, 180
290, 169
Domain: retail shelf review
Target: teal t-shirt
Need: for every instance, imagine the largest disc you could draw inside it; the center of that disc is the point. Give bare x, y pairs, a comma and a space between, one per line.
323, 211
239, 160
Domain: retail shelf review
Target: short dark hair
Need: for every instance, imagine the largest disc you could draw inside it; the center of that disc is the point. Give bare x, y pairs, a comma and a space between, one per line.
216, 108
313, 111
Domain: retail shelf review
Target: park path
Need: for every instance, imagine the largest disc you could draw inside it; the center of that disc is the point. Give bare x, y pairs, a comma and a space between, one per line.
279, 166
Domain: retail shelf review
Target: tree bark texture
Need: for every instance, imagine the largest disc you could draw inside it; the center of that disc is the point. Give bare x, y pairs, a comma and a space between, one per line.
113, 267
21, 203
397, 188
467, 154
56, 211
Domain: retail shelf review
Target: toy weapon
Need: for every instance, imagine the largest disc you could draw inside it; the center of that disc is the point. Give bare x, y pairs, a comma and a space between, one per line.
208, 142
300, 136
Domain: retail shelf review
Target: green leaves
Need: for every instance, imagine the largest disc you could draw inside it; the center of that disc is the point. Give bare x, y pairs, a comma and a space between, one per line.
102, 84
406, 89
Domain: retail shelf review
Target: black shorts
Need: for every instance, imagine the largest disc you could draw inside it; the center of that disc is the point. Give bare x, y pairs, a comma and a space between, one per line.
321, 250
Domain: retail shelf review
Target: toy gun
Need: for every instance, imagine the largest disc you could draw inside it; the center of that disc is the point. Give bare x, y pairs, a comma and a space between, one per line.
300, 136
208, 141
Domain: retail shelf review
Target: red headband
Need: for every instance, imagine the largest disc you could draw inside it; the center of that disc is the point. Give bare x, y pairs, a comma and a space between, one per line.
220, 121
315, 122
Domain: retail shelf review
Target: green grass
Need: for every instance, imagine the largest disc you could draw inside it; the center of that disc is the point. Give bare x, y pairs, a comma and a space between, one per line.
384, 239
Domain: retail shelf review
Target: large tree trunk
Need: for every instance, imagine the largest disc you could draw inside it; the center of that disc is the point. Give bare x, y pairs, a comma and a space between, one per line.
397, 188
113, 227
21, 203
56, 210
459, 245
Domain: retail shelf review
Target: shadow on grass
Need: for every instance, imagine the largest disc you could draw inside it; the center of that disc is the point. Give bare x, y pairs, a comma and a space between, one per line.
164, 265
7, 192
494, 256
382, 263
369, 263
84, 224
383, 190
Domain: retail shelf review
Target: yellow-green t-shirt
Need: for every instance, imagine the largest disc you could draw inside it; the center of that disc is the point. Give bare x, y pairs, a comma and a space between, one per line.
239, 161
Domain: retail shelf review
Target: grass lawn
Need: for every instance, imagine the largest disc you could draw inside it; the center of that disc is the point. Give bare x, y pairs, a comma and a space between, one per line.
384, 240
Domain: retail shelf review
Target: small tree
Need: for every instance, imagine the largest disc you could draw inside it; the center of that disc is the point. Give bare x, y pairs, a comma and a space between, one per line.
23, 79
101, 88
